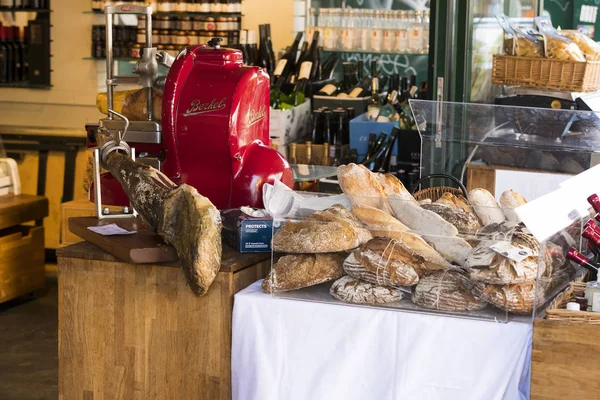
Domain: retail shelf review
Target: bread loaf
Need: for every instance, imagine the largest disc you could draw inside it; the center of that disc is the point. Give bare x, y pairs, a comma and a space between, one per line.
448, 199
378, 222
382, 276
509, 200
489, 266
446, 291
362, 187
350, 290
420, 219
331, 230
464, 221
396, 255
452, 248
518, 299
486, 207
392, 185
297, 271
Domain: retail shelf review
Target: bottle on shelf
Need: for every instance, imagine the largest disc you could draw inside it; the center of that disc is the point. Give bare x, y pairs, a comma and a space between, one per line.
425, 32
264, 57
287, 63
360, 90
4, 59
292, 158
19, 55
375, 101
252, 48
370, 147
415, 39
312, 56
270, 47
327, 128
325, 160
329, 66
307, 153
377, 160
303, 52
317, 132
402, 45
297, 96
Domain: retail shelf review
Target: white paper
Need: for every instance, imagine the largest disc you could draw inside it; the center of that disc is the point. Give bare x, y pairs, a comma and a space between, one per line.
110, 230
582, 186
530, 185
549, 214
511, 252
280, 201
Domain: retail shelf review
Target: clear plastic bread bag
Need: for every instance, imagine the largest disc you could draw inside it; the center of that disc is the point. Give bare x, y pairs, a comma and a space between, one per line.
524, 44
590, 49
556, 46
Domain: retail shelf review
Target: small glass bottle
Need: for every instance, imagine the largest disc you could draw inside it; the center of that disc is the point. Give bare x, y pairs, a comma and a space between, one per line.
590, 289
293, 159
425, 24
402, 37
415, 39
376, 32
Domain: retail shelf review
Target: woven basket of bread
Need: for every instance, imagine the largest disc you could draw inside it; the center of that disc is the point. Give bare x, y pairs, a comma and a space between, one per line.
557, 312
546, 73
435, 193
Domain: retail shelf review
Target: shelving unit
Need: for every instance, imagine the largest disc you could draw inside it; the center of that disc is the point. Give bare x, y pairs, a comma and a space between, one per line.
39, 54
183, 14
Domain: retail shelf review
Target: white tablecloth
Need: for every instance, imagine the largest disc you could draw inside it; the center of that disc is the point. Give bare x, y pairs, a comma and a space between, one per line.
297, 350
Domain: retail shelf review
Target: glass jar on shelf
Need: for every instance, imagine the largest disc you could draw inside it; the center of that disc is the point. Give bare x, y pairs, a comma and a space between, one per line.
426, 22
415, 38
347, 35
376, 32
402, 36
388, 32
311, 25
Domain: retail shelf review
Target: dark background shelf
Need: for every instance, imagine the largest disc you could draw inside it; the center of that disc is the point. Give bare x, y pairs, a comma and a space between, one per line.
181, 14
24, 85
38, 10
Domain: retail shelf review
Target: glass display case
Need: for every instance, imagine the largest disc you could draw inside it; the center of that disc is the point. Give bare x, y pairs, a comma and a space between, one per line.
460, 252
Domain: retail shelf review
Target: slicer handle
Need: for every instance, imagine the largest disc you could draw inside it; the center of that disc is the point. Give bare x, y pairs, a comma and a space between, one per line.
128, 9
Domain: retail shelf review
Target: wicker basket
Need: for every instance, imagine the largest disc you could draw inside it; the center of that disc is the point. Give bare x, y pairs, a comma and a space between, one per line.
556, 310
434, 193
546, 73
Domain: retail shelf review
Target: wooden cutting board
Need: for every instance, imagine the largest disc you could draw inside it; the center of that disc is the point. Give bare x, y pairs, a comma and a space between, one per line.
142, 247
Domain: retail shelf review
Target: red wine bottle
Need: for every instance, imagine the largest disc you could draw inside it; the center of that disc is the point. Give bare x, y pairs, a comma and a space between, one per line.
580, 259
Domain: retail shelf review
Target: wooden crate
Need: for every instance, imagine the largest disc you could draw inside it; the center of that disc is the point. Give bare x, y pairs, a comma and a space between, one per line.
564, 363
136, 331
21, 261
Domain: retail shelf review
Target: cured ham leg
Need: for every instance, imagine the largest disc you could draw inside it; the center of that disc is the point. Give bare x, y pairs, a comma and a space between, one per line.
179, 214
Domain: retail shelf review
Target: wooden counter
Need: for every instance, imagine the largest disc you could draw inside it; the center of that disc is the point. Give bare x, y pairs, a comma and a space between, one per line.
136, 331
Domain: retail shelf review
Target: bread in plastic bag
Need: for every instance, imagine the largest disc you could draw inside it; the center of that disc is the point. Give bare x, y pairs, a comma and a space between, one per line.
556, 46
590, 49
523, 44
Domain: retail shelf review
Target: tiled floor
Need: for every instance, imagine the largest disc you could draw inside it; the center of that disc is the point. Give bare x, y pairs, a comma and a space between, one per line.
29, 347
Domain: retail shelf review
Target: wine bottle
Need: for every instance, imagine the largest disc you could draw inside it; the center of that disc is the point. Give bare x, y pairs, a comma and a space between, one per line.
252, 48
307, 153
386, 166
594, 201
414, 89
370, 147
329, 90
243, 46
327, 120
377, 160
327, 71
303, 51
20, 54
423, 90
361, 90
375, 101
325, 160
270, 48
4, 59
374, 73
312, 56
317, 132
360, 71
298, 94
379, 143
264, 58
580, 259
340, 117
287, 63
292, 157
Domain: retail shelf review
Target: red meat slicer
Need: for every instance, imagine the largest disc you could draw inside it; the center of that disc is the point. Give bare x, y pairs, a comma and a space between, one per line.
214, 130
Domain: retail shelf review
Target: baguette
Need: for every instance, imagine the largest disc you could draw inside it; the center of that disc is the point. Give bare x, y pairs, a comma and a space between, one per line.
464, 221
362, 187
454, 249
486, 207
419, 219
297, 271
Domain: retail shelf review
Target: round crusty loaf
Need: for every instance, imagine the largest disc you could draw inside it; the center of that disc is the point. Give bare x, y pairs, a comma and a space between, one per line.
297, 271
464, 221
327, 231
518, 299
350, 290
403, 275
489, 266
509, 200
446, 291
